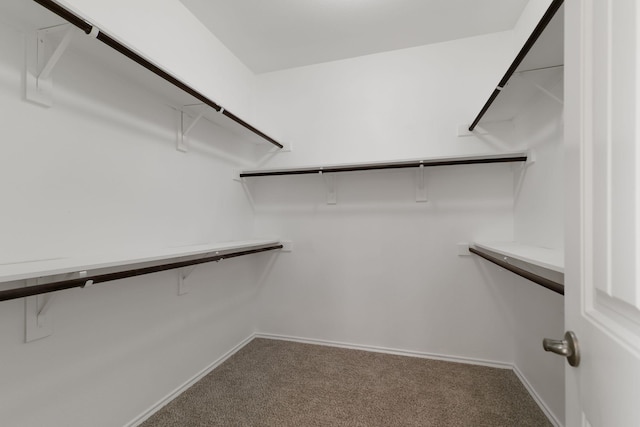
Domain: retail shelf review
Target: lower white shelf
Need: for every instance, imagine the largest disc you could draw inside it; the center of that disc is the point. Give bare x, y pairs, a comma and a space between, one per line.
551, 259
34, 278
123, 261
539, 265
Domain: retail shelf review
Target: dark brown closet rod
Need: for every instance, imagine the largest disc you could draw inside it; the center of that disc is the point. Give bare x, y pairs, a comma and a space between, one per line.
390, 165
546, 18
542, 281
109, 41
10, 294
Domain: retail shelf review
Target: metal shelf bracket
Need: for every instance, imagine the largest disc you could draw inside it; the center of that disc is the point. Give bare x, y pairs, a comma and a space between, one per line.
40, 64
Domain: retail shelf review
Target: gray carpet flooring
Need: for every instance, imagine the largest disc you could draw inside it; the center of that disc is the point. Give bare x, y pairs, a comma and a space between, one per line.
281, 383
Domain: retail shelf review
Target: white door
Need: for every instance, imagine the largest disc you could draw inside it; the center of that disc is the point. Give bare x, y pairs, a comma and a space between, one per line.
602, 279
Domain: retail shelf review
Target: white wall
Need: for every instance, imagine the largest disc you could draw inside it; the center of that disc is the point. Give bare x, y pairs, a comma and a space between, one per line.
400, 104
97, 173
528, 20
379, 269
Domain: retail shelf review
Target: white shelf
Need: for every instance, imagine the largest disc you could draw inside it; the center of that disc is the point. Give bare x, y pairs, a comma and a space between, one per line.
393, 164
541, 71
49, 267
29, 16
551, 259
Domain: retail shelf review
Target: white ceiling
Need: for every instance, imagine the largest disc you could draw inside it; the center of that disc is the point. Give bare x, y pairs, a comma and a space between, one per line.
269, 35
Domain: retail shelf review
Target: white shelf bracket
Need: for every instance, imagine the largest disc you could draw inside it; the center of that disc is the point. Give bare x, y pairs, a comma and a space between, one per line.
330, 184
42, 313
541, 89
187, 123
421, 186
183, 274
520, 171
37, 321
40, 64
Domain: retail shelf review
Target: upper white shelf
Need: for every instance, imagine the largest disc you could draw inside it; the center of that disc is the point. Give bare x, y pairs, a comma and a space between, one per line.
393, 164
116, 55
551, 259
49, 267
538, 67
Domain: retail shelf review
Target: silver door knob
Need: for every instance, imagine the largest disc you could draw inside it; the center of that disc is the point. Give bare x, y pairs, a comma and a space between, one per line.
568, 347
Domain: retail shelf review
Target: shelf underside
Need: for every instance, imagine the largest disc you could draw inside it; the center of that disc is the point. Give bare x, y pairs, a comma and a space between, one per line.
542, 66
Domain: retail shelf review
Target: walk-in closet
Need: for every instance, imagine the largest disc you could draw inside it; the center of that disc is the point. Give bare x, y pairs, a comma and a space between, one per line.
330, 212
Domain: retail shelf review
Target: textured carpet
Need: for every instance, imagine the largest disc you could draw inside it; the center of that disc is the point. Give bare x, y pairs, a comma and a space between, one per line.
280, 383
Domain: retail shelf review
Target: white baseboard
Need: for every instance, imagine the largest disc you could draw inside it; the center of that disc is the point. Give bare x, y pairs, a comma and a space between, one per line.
472, 361
179, 390
376, 349
543, 406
